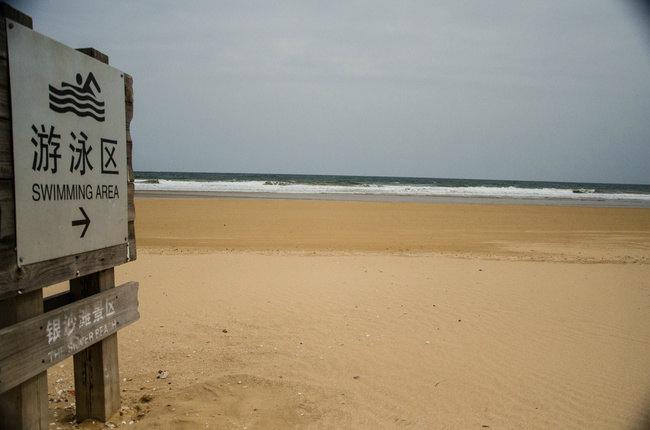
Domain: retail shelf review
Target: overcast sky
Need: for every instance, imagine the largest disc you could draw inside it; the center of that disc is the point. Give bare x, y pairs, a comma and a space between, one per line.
499, 89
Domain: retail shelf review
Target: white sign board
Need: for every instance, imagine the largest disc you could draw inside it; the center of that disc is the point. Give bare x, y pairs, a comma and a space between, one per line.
69, 145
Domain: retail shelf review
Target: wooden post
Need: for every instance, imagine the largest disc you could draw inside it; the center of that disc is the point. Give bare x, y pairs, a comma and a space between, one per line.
25, 406
96, 371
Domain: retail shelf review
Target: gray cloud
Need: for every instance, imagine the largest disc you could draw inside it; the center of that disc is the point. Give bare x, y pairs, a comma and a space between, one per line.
483, 89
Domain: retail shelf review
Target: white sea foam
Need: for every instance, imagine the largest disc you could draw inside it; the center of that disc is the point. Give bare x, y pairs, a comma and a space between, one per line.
403, 190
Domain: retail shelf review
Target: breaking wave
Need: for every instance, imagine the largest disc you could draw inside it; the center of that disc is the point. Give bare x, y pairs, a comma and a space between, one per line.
293, 187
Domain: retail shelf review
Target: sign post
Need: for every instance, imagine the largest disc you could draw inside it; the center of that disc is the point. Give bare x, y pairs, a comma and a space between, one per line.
66, 213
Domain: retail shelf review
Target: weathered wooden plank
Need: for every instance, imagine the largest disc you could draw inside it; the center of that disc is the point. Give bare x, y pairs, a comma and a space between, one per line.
27, 334
133, 250
129, 157
128, 98
97, 55
24, 406
7, 222
131, 202
5, 102
96, 370
31, 346
128, 87
7, 11
6, 155
128, 110
39, 275
3, 38
4, 71
5, 106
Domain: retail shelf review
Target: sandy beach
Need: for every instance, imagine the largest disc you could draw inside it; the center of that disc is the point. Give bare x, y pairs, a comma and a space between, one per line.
324, 215
347, 314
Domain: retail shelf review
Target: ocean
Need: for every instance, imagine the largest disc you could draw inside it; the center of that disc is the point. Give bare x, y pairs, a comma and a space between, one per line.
350, 186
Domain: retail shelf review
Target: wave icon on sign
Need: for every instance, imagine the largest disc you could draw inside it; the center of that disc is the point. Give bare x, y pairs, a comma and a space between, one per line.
80, 99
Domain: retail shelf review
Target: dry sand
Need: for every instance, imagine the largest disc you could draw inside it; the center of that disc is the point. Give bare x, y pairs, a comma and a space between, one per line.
320, 314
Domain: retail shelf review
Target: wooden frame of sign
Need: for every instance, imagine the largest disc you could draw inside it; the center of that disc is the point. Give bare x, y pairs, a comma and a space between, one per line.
23, 311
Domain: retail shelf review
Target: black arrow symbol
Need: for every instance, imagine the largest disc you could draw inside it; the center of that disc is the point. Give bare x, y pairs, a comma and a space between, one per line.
85, 222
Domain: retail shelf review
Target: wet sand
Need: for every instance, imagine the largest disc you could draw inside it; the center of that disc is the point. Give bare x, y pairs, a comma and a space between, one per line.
586, 200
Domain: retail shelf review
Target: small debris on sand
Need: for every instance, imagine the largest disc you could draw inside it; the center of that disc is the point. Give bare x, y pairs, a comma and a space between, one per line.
146, 398
162, 374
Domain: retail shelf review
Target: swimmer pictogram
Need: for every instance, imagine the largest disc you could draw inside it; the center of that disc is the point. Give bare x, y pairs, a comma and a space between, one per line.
81, 99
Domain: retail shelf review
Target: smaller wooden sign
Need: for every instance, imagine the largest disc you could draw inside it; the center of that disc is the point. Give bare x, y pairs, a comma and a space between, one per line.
31, 346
